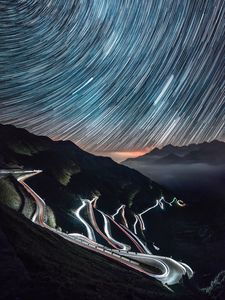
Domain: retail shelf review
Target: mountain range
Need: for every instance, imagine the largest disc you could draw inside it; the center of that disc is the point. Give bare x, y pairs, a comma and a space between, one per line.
195, 172
210, 153
70, 174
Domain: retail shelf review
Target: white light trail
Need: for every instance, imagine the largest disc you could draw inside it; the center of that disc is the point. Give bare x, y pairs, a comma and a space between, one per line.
164, 89
86, 83
117, 211
171, 271
158, 202
109, 235
90, 231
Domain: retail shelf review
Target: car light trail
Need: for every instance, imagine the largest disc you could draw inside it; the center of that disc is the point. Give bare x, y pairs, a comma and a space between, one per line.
135, 224
136, 238
170, 271
107, 231
158, 203
94, 223
90, 231
117, 211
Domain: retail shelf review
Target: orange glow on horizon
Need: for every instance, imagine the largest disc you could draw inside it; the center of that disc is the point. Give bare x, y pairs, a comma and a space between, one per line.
119, 156
131, 153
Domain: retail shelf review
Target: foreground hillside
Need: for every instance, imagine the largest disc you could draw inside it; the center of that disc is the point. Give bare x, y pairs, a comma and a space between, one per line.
37, 264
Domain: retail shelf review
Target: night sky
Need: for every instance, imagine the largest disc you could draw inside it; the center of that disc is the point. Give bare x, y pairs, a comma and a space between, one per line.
117, 77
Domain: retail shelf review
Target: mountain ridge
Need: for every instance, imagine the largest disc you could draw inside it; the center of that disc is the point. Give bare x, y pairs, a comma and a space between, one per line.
182, 153
71, 175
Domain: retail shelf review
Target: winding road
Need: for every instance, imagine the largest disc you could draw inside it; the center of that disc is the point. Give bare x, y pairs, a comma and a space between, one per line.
167, 270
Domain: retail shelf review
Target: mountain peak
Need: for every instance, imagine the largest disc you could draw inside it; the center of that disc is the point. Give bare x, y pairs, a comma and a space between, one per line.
209, 152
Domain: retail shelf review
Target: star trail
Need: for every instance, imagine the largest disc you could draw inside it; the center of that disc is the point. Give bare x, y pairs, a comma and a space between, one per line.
114, 76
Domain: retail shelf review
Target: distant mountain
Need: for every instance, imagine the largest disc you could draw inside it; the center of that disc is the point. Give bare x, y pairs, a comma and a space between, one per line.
196, 173
210, 153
